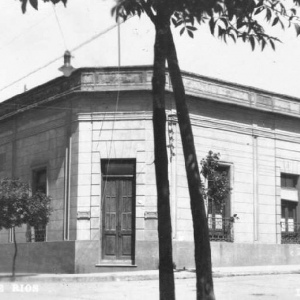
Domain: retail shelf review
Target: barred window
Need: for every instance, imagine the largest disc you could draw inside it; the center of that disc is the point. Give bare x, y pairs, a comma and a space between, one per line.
290, 209
218, 214
39, 184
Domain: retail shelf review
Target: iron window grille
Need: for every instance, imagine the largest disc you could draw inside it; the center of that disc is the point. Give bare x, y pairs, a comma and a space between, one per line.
220, 228
36, 234
290, 232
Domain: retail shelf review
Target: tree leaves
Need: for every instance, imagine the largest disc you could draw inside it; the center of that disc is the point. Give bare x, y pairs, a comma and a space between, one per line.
218, 186
239, 19
252, 41
212, 25
272, 44
34, 3
263, 44
275, 21
259, 10
234, 19
297, 28
209, 164
38, 209
18, 206
190, 33
23, 6
177, 22
268, 14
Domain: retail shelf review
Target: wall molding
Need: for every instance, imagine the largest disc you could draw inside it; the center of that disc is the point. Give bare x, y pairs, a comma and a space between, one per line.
139, 78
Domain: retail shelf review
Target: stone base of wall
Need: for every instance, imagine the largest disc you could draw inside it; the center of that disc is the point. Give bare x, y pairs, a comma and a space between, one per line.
83, 256
48, 257
231, 254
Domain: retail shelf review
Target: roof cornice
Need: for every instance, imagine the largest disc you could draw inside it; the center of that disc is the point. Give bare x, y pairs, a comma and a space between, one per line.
134, 78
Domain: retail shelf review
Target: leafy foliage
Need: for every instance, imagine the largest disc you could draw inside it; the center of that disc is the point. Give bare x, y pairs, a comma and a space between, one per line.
38, 209
209, 164
227, 19
218, 182
234, 19
13, 195
34, 3
18, 206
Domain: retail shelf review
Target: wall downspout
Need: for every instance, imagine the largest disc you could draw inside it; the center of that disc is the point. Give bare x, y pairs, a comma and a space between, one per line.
67, 174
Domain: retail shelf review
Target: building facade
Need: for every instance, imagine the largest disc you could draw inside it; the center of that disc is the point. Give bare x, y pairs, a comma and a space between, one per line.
87, 141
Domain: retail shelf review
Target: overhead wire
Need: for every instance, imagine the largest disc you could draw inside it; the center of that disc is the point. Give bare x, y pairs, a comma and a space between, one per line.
31, 73
76, 48
69, 91
72, 50
22, 33
59, 26
99, 34
34, 105
114, 119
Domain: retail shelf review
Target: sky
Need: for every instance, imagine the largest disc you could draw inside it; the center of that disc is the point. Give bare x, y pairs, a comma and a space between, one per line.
32, 46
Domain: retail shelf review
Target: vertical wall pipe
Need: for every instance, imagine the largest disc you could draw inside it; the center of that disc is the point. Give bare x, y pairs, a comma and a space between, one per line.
255, 189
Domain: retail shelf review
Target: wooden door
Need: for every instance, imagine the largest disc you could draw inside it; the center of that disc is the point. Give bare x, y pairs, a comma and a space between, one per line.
118, 219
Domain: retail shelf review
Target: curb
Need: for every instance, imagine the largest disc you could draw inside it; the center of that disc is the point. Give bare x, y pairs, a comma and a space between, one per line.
254, 273
137, 275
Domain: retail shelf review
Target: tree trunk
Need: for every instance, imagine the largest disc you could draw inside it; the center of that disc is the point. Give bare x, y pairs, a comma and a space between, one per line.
166, 274
15, 255
201, 233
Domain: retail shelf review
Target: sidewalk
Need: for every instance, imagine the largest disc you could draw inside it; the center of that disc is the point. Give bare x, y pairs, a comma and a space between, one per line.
152, 274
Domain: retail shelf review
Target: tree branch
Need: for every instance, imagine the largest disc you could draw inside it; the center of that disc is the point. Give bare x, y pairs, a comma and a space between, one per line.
148, 10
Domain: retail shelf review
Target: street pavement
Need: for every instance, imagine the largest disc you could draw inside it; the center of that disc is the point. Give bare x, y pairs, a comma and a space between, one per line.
265, 287
231, 283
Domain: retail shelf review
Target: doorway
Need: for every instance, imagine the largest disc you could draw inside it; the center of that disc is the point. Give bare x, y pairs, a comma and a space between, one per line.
118, 210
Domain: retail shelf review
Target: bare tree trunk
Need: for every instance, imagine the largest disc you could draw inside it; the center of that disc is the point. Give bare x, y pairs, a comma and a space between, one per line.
201, 233
15, 255
166, 274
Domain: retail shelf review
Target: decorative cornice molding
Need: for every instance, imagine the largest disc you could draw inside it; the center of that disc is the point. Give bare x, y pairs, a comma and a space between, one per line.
111, 116
139, 78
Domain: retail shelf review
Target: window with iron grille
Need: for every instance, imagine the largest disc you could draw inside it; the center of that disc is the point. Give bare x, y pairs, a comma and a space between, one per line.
218, 208
39, 184
290, 209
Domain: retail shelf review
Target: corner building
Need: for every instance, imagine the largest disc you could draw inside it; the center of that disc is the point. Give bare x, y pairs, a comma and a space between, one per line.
87, 141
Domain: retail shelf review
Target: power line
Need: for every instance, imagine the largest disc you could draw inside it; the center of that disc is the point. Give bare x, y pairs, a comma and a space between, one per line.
59, 26
99, 34
24, 32
72, 50
36, 70
30, 106
116, 110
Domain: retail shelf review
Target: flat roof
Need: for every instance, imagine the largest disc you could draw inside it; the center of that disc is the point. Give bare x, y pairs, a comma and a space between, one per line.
133, 78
